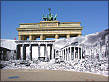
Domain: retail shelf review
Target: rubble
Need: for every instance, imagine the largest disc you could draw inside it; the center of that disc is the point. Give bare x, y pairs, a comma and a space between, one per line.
88, 66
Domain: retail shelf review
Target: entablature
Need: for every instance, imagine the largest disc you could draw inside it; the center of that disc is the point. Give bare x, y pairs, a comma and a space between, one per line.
53, 28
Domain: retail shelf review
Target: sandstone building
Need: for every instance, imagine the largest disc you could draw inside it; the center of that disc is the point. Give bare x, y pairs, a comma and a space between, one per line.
49, 29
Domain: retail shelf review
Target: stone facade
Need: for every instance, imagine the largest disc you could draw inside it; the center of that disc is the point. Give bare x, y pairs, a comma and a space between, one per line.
35, 50
49, 29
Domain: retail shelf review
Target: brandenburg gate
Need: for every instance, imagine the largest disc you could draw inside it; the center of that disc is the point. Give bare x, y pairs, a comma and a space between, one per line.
50, 28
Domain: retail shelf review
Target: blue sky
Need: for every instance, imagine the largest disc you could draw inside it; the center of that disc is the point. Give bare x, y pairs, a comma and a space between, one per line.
93, 15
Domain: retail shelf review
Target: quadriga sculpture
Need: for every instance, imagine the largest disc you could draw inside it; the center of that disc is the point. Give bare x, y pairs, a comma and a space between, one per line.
50, 18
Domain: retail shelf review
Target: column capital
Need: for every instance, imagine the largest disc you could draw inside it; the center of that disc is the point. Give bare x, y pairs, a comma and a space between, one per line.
68, 36
56, 36
20, 37
41, 37
30, 37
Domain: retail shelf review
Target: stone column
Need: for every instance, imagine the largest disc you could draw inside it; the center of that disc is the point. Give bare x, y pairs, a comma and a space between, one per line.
74, 53
46, 52
30, 51
81, 52
70, 55
68, 36
52, 52
38, 51
41, 37
18, 55
61, 55
65, 54
20, 37
24, 52
78, 53
30, 37
56, 36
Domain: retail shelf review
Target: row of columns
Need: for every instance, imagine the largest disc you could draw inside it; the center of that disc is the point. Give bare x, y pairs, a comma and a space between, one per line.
57, 36
23, 57
42, 37
71, 53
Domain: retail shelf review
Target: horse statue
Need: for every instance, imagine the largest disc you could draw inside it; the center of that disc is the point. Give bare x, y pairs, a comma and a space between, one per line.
55, 17
50, 18
45, 18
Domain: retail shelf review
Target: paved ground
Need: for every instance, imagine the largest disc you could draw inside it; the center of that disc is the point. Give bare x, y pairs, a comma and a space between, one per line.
48, 75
